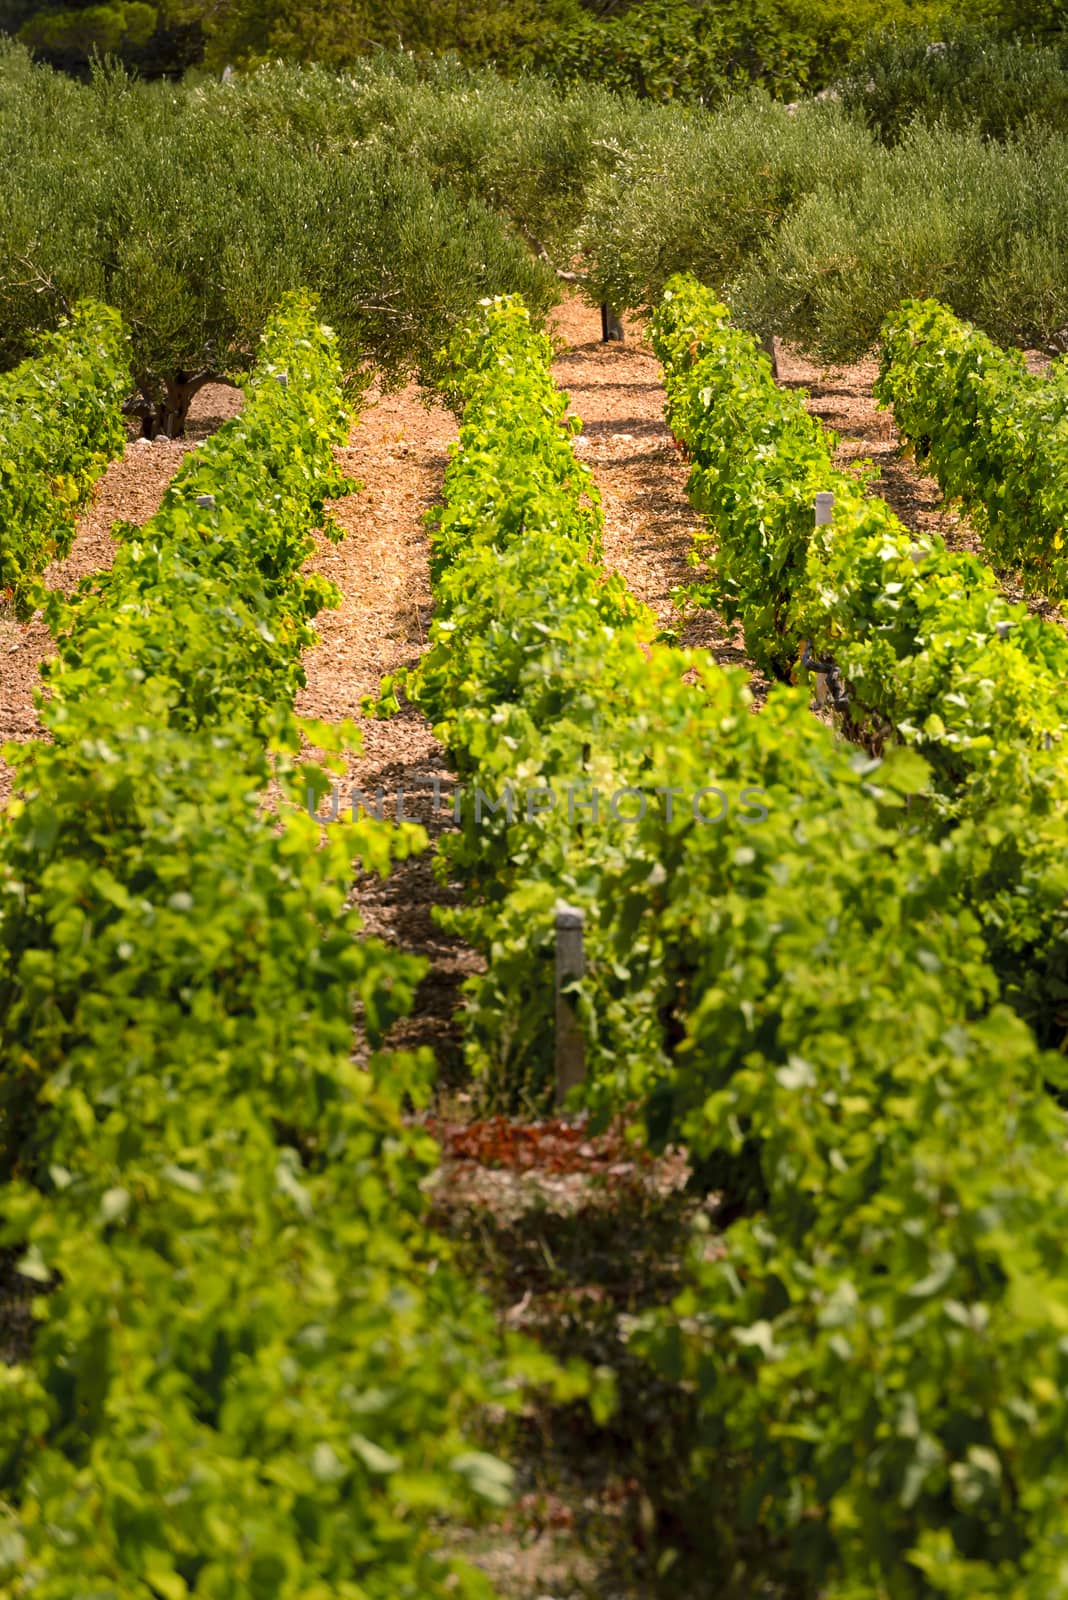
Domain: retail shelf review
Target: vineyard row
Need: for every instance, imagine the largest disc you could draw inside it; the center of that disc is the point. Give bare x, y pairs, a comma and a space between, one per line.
923, 648
245, 1377
878, 1353
60, 424
994, 434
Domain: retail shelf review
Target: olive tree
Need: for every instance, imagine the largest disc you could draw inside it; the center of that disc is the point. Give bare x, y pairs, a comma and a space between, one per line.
194, 225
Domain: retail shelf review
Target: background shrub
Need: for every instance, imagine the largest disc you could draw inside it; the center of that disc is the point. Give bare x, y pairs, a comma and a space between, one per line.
982, 227
708, 190
970, 77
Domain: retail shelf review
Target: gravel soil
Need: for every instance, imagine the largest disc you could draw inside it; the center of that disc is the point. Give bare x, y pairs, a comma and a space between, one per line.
842, 399
397, 453
618, 392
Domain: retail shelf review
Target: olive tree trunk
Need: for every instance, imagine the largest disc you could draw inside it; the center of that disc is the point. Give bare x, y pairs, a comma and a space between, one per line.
611, 325
164, 412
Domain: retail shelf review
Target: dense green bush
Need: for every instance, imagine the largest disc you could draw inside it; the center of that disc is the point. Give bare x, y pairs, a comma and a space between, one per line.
524, 149
660, 48
251, 1370
60, 424
994, 435
165, 38
694, 51
817, 232
151, 39
977, 225
669, 50
969, 77
1039, 21
703, 193
129, 23
477, 31
404, 191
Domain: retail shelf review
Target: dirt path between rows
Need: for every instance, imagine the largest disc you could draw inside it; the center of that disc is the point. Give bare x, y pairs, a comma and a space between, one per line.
129, 490
618, 391
842, 399
397, 451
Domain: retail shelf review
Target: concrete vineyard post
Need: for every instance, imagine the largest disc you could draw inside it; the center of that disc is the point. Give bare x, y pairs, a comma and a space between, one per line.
824, 518
570, 1052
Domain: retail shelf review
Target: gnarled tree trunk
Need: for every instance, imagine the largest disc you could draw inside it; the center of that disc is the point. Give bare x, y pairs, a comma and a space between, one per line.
166, 413
611, 325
